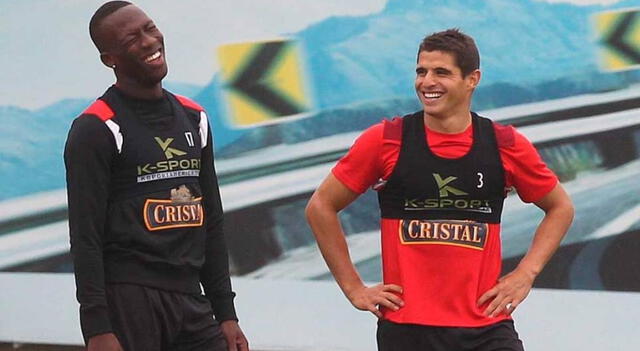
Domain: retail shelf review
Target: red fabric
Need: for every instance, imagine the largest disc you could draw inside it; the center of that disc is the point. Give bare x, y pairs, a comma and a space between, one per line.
99, 108
442, 282
185, 101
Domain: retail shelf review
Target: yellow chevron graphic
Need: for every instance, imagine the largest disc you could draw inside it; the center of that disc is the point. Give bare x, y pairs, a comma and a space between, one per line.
263, 82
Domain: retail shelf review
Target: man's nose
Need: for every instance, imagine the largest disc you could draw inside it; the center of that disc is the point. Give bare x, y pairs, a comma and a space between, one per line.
428, 79
147, 40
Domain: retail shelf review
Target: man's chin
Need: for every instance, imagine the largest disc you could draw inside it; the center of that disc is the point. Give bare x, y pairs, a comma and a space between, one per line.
153, 78
436, 113
430, 109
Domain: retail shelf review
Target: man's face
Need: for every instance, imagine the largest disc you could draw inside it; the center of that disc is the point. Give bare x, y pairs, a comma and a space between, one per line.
440, 86
134, 45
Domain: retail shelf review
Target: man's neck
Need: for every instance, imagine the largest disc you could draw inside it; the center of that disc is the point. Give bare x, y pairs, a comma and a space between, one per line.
451, 124
135, 90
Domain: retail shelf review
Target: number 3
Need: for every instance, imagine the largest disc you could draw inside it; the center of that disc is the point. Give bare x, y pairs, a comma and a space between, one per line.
480, 182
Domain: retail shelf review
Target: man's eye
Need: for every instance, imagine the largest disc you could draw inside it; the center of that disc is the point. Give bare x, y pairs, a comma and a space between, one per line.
128, 40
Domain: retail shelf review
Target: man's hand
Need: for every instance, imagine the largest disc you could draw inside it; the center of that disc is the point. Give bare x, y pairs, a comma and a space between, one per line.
236, 341
372, 298
510, 291
104, 342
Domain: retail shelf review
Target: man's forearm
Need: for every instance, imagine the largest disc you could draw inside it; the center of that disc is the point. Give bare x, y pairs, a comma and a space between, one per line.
330, 237
322, 214
514, 287
555, 224
214, 274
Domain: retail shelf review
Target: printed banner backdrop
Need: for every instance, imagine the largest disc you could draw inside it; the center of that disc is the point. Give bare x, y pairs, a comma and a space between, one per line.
541, 73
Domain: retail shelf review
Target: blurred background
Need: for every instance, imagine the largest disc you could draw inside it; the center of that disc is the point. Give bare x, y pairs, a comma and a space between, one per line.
565, 73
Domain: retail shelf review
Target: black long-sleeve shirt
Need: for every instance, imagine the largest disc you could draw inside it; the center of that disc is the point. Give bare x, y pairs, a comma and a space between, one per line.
113, 223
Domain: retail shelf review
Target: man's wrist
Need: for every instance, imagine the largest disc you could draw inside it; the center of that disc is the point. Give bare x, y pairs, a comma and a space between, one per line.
530, 270
351, 288
94, 321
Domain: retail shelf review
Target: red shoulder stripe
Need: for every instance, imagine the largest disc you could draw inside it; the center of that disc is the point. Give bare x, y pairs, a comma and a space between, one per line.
392, 129
185, 101
505, 135
101, 109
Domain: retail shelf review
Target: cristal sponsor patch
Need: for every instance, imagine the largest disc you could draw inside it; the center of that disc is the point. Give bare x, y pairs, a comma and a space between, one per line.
447, 232
182, 210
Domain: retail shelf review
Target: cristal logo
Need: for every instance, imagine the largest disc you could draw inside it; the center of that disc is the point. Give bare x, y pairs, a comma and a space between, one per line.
182, 210
446, 232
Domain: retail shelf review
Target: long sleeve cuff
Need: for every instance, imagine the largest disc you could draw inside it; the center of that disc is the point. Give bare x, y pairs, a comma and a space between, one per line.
223, 309
94, 321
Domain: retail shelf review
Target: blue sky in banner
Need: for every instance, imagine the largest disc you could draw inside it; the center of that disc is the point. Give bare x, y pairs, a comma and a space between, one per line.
47, 55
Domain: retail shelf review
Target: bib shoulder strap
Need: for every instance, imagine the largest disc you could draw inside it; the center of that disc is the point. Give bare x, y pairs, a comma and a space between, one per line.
203, 124
104, 112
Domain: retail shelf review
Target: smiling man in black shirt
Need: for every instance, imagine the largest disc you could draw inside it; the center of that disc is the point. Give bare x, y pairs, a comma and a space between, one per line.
145, 214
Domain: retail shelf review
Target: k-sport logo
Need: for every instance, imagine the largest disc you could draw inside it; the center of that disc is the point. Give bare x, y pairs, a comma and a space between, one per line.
169, 152
169, 168
445, 188
450, 198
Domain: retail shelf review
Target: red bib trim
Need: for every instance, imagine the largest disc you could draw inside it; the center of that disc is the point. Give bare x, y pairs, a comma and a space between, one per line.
185, 101
505, 135
392, 129
100, 109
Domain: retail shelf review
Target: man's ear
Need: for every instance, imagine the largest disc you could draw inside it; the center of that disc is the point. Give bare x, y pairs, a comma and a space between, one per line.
473, 78
107, 60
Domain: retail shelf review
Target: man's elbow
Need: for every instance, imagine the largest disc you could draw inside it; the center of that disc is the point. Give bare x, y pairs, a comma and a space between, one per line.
566, 208
563, 212
558, 203
312, 208
571, 211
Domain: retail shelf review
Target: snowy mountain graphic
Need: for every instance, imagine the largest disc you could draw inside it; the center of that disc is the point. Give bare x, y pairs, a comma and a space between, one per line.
362, 69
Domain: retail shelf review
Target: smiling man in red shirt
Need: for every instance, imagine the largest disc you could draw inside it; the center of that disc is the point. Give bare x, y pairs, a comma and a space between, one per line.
441, 175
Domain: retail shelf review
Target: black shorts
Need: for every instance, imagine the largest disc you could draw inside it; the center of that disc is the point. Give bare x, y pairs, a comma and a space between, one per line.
146, 319
501, 336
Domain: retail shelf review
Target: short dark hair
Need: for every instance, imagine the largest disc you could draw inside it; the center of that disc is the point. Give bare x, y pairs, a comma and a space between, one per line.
101, 13
453, 41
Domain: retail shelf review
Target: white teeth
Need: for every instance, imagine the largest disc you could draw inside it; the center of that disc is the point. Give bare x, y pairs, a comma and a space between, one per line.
152, 57
432, 95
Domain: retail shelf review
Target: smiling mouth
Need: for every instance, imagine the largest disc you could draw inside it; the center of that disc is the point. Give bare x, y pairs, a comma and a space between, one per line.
153, 57
433, 95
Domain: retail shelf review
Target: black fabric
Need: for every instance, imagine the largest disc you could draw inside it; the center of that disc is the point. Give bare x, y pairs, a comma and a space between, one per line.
501, 336
110, 241
413, 190
157, 113
141, 152
149, 319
